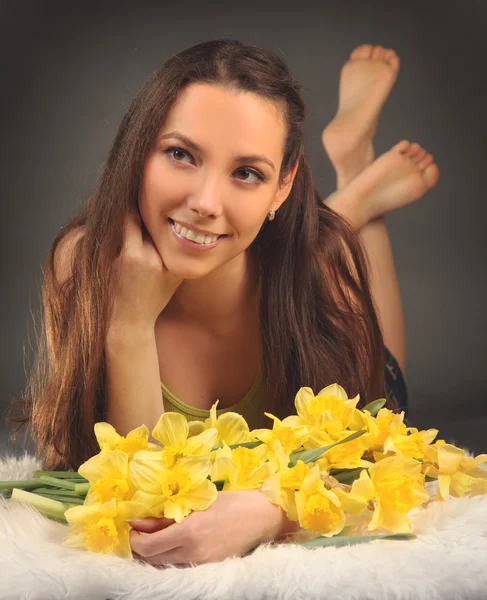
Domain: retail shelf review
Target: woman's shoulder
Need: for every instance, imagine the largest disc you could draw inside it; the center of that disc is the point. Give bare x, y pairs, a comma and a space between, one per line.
63, 254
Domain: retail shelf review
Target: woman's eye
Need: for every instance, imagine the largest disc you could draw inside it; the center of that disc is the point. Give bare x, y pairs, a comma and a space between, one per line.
259, 176
176, 153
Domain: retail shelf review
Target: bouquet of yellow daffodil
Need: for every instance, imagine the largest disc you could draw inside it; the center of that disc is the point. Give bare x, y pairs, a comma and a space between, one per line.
333, 468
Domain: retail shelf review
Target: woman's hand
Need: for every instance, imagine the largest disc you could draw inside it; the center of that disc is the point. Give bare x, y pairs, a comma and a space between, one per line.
145, 285
235, 523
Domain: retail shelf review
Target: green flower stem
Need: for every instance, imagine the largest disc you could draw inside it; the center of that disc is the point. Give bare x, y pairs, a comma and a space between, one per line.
345, 540
23, 484
81, 489
58, 474
52, 491
59, 483
67, 499
46, 506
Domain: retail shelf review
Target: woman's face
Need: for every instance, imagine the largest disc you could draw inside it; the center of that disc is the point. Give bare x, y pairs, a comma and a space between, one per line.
212, 182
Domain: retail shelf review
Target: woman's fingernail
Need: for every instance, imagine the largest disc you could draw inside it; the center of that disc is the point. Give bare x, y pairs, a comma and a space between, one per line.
134, 521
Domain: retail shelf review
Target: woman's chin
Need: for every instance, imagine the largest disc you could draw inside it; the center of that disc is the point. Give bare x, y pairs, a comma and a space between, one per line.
184, 271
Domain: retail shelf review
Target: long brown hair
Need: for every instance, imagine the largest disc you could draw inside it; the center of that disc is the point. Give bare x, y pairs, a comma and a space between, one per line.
317, 319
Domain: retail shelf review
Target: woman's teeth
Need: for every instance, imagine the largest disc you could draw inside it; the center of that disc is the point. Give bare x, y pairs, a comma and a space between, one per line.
194, 237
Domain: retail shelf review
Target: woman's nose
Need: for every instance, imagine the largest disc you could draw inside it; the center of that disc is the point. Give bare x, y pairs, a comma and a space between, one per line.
208, 199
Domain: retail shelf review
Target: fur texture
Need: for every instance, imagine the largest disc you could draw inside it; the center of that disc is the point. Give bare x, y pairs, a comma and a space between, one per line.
447, 561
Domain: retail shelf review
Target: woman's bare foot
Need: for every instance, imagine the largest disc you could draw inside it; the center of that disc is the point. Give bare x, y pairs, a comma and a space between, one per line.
395, 179
365, 83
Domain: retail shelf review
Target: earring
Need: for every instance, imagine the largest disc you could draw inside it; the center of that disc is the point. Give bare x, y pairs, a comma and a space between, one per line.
271, 215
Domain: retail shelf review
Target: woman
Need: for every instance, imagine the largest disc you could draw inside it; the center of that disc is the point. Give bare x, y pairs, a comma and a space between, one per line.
206, 259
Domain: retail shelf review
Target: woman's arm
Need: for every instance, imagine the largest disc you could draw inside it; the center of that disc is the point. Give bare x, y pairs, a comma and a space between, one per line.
236, 522
133, 387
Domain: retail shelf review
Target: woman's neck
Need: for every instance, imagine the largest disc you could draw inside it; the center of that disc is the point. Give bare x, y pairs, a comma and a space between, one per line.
222, 300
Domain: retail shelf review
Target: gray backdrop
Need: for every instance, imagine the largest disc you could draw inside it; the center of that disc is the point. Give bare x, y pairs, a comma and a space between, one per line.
68, 74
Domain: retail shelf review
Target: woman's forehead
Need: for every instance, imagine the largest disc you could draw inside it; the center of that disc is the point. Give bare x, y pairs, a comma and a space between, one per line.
209, 114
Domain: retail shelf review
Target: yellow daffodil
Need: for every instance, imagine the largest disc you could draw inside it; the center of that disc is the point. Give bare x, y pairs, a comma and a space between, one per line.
241, 468
458, 475
290, 435
135, 440
102, 527
280, 488
108, 475
232, 428
172, 430
385, 425
319, 510
330, 410
410, 445
172, 492
396, 484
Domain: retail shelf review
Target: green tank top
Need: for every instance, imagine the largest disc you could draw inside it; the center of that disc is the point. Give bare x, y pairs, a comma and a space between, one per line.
251, 407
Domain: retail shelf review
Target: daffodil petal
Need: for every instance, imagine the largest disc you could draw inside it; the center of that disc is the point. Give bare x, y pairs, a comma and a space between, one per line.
224, 469
147, 471
334, 390
211, 421
232, 428
195, 427
198, 467
258, 475
153, 447
131, 509
449, 458
353, 505
293, 421
123, 550
288, 503
106, 435
392, 520
271, 488
112, 464
311, 482
202, 443
363, 487
301, 401
174, 510
201, 496
264, 435
153, 503
79, 514
171, 430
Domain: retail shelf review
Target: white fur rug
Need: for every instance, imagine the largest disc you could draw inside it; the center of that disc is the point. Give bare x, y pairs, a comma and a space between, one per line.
447, 561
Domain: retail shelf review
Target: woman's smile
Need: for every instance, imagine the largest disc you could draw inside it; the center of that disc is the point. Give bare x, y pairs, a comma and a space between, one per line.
189, 238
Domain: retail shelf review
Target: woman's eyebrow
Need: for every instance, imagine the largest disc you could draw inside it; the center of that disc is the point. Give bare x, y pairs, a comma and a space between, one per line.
240, 159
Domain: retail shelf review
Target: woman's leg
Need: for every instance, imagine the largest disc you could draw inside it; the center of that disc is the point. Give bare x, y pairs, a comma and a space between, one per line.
365, 83
397, 178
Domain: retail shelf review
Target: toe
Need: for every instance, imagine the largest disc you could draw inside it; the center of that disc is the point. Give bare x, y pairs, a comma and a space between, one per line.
426, 161
391, 57
363, 51
420, 156
402, 146
377, 53
431, 175
413, 150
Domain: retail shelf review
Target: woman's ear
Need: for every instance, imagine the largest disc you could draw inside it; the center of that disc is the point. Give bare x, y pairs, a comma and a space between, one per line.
285, 188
